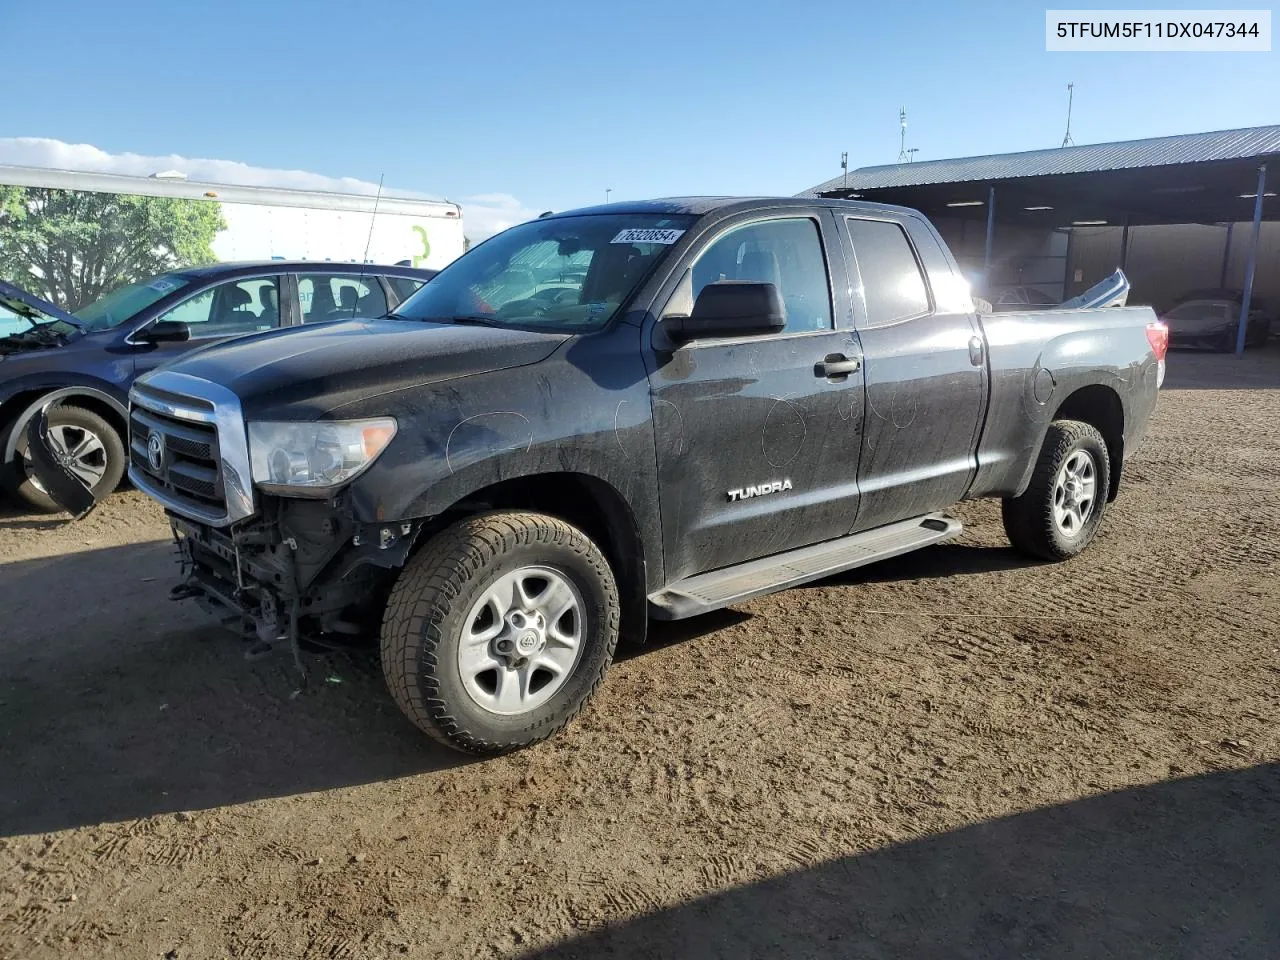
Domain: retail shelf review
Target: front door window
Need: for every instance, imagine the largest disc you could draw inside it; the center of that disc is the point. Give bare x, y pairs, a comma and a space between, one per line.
230, 309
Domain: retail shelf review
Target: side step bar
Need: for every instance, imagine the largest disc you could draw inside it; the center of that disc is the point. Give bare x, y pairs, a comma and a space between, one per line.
720, 588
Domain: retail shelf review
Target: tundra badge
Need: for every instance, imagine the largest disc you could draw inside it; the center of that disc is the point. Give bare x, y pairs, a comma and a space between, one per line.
759, 490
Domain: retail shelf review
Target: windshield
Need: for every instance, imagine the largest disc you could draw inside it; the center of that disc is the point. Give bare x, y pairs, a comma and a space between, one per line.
125, 302
571, 273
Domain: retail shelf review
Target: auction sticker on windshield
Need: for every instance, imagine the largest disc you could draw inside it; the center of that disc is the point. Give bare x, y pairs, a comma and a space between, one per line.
647, 235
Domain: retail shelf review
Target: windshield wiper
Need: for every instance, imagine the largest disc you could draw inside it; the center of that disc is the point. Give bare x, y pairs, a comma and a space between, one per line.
478, 319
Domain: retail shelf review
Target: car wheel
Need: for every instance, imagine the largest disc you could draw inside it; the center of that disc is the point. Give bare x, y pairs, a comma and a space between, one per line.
92, 449
499, 631
1061, 510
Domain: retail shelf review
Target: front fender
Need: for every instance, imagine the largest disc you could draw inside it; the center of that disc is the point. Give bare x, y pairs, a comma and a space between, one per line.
560, 416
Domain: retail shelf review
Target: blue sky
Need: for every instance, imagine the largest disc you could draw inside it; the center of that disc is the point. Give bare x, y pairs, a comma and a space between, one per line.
553, 102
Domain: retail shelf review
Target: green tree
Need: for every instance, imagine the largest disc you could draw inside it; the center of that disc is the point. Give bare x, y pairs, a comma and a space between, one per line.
72, 247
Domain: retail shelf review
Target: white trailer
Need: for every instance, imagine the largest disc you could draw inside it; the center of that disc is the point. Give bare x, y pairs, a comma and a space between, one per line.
265, 223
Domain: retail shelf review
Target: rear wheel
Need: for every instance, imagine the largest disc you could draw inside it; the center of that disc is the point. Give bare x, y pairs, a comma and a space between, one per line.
1061, 510
84, 442
499, 631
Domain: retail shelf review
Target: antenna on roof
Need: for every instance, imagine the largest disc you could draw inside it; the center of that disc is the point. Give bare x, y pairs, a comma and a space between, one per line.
369, 242
903, 157
376, 197
844, 165
1067, 141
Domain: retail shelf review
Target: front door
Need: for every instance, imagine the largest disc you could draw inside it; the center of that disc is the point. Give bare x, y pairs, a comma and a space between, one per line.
229, 309
757, 446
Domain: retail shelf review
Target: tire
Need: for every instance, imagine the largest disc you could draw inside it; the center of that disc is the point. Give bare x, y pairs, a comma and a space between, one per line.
106, 461
443, 595
1034, 521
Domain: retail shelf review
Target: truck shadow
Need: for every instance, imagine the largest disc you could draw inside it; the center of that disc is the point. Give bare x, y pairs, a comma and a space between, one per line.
116, 703
671, 633
943, 560
1183, 868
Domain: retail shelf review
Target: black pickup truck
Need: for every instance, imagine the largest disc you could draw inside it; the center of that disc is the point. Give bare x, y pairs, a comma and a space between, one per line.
639, 410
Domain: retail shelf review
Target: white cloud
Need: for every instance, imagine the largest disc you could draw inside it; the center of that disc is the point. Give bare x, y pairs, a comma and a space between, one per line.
483, 214
488, 213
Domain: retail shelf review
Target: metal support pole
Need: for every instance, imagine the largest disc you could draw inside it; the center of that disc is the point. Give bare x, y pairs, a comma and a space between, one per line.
1253, 261
991, 232
1124, 243
1226, 259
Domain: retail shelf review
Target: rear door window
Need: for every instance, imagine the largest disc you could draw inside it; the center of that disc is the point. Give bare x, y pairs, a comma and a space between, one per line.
892, 282
404, 287
324, 296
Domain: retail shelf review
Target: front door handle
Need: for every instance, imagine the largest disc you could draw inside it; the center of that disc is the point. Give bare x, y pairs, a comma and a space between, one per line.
836, 365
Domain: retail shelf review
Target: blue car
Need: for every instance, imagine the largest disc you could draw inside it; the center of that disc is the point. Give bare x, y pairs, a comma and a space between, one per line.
87, 360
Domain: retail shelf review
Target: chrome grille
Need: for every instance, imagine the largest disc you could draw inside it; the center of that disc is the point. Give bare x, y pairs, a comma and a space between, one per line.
188, 449
189, 460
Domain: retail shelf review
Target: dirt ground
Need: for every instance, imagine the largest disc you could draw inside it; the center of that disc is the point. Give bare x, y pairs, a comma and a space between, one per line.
955, 753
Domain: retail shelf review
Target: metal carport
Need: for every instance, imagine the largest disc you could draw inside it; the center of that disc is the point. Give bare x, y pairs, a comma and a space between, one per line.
1198, 178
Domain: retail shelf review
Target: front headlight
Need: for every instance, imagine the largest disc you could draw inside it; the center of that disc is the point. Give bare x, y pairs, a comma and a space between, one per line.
312, 458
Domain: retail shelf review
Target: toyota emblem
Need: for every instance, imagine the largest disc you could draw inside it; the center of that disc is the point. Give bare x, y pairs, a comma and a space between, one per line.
155, 450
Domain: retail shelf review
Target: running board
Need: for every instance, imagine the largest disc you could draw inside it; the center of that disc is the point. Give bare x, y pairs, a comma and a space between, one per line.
720, 588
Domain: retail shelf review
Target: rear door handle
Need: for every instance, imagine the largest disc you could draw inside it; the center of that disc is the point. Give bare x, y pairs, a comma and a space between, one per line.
836, 365
976, 351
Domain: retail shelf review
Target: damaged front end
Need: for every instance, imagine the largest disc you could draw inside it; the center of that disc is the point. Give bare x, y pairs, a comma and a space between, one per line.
301, 572
295, 570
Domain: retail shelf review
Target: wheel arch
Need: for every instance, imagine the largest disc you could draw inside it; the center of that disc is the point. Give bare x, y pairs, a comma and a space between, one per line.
592, 505
1099, 406
17, 409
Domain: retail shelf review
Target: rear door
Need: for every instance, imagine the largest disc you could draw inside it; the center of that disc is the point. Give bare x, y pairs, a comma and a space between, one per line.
925, 370
757, 448
340, 296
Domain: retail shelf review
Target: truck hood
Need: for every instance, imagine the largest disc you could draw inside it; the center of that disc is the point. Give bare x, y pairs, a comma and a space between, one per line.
307, 372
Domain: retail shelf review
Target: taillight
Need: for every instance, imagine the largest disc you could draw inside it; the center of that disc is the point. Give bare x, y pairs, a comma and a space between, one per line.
1158, 337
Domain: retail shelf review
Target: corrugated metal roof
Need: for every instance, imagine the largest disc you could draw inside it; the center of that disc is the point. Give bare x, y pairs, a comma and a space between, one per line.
1127, 154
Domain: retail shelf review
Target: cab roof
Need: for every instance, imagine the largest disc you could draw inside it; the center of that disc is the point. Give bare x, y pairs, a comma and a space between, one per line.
233, 267
700, 206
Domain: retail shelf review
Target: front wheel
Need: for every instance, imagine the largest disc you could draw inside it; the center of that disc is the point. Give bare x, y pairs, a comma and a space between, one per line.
1061, 510
84, 442
499, 631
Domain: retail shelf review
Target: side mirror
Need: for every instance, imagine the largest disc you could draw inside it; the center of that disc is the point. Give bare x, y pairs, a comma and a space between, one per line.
166, 331
731, 308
